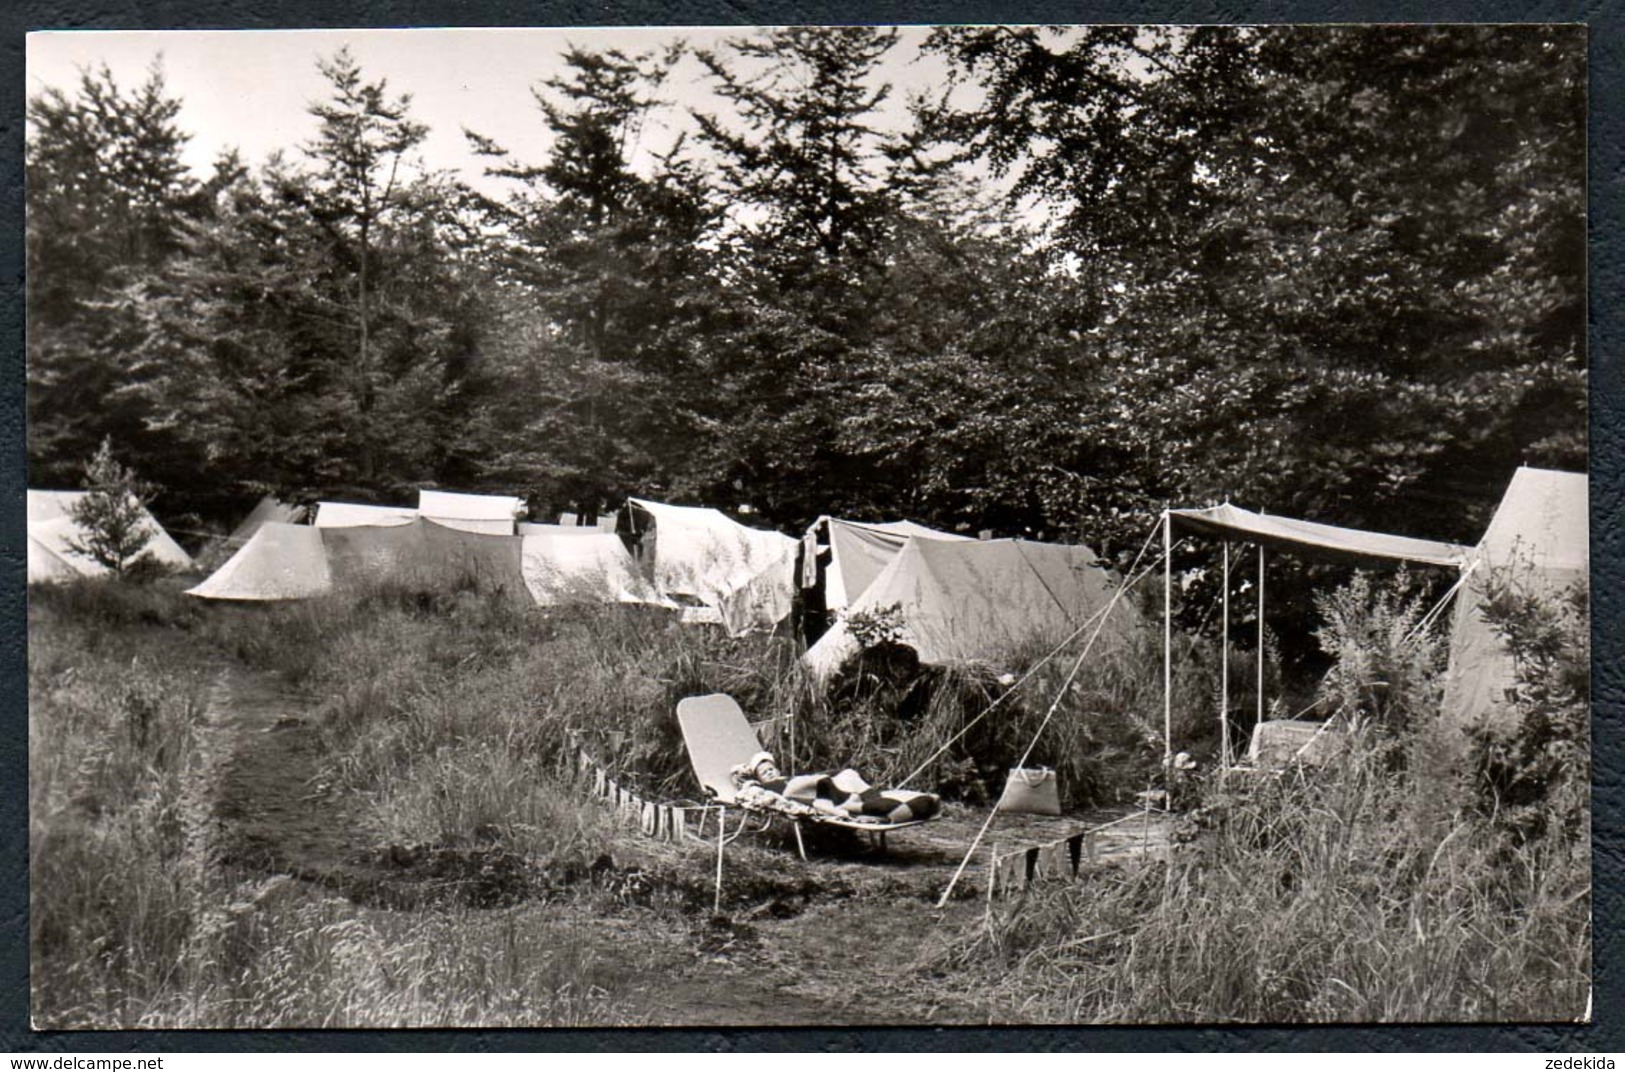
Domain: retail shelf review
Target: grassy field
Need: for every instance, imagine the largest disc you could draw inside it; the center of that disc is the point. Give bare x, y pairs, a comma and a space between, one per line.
351, 812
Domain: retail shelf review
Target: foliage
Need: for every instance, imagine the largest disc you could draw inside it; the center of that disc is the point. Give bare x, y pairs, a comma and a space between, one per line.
1336, 272
1349, 894
881, 625
1532, 770
1338, 266
111, 516
1386, 659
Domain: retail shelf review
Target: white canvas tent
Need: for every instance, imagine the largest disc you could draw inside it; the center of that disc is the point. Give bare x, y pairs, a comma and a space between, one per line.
337, 515
538, 528
746, 575
1539, 540
490, 514
280, 561
591, 568
48, 558
849, 555
51, 531
978, 601
266, 510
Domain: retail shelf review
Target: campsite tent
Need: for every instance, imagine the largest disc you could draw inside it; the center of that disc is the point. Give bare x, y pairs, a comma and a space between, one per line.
847, 556
52, 530
537, 528
279, 561
746, 575
335, 515
295, 562
266, 510
427, 555
491, 514
48, 558
590, 568
977, 601
1539, 540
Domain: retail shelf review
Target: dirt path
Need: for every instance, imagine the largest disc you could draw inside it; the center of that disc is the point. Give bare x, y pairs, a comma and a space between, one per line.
830, 941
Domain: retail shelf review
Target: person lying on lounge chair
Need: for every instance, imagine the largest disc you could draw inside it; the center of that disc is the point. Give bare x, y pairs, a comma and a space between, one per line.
843, 794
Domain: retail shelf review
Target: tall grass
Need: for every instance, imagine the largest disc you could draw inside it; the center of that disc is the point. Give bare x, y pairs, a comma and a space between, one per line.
1380, 888
428, 719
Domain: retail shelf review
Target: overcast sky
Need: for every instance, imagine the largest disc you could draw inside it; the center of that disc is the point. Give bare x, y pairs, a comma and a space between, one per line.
251, 89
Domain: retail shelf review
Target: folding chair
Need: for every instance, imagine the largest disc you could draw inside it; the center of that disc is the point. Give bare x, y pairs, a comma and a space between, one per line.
719, 738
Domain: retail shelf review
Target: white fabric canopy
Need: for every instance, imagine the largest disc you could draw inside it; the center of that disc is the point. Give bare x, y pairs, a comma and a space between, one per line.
280, 561
1232, 522
490, 514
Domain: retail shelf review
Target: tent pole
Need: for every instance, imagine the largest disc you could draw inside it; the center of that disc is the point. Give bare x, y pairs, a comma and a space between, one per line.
1167, 645
1224, 688
1260, 632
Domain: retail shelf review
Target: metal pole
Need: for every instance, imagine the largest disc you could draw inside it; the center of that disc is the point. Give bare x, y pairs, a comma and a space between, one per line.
1167, 645
722, 828
1260, 632
1224, 689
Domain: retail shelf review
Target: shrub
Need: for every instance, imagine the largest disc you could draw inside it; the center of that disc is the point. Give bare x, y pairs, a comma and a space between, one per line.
1532, 771
112, 519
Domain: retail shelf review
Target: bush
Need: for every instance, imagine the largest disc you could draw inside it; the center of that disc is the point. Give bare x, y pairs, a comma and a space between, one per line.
1532, 771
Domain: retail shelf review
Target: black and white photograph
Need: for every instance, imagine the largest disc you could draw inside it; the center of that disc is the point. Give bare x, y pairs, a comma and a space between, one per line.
808, 526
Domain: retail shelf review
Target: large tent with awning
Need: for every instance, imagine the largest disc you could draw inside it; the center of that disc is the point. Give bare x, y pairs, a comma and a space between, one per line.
1231, 523
52, 532
1538, 542
693, 553
962, 602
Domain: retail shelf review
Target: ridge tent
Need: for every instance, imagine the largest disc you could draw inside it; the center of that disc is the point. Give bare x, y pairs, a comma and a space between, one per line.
334, 515
1538, 539
45, 563
279, 561
424, 554
857, 553
266, 510
590, 568
746, 575
51, 527
976, 601
491, 514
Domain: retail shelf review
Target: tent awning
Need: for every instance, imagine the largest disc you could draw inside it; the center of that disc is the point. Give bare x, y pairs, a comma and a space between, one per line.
1232, 522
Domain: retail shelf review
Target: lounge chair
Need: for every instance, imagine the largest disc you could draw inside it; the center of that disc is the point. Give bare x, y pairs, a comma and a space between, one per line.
719, 739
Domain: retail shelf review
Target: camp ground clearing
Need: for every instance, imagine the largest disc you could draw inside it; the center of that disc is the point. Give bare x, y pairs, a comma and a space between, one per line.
639, 529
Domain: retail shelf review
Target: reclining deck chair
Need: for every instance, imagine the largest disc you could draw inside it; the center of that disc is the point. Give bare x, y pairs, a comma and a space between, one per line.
719, 739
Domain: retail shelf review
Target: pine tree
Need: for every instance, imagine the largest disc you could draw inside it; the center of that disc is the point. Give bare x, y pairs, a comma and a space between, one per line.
112, 516
108, 197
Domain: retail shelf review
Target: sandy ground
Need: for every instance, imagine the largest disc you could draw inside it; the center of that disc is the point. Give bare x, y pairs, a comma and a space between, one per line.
835, 940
